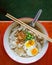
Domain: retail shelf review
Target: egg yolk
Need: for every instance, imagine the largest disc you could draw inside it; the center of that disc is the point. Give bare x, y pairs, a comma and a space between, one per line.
34, 51
30, 43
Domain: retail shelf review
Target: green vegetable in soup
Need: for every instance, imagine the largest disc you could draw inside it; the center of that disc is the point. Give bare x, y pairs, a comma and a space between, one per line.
29, 36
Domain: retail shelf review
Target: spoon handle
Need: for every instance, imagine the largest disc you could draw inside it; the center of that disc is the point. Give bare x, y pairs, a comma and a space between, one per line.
32, 23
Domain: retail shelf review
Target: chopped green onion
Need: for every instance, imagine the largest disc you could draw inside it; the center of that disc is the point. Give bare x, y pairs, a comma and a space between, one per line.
29, 36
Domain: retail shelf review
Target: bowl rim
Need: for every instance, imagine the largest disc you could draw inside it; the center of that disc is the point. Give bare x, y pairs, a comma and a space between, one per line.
22, 62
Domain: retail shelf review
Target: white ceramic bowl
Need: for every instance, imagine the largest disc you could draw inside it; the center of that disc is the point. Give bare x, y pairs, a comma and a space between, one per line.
15, 57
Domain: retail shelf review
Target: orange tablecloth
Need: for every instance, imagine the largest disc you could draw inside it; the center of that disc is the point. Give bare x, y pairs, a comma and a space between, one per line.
6, 60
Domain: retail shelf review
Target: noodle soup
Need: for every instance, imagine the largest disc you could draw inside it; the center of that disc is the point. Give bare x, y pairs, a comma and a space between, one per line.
25, 43
22, 45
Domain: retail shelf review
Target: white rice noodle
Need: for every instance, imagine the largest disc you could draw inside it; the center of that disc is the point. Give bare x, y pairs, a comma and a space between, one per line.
39, 46
12, 44
20, 28
12, 35
24, 28
15, 28
39, 37
20, 52
19, 45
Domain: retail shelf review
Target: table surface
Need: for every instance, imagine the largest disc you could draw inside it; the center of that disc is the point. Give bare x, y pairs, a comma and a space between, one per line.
6, 60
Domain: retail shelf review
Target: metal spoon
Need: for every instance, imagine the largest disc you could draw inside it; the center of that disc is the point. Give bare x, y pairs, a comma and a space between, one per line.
32, 23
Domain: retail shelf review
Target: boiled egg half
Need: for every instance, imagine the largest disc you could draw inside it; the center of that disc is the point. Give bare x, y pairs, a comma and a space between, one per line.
29, 43
32, 51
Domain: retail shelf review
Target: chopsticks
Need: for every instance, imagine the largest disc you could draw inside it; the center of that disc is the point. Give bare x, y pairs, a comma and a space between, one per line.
28, 27
4, 12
